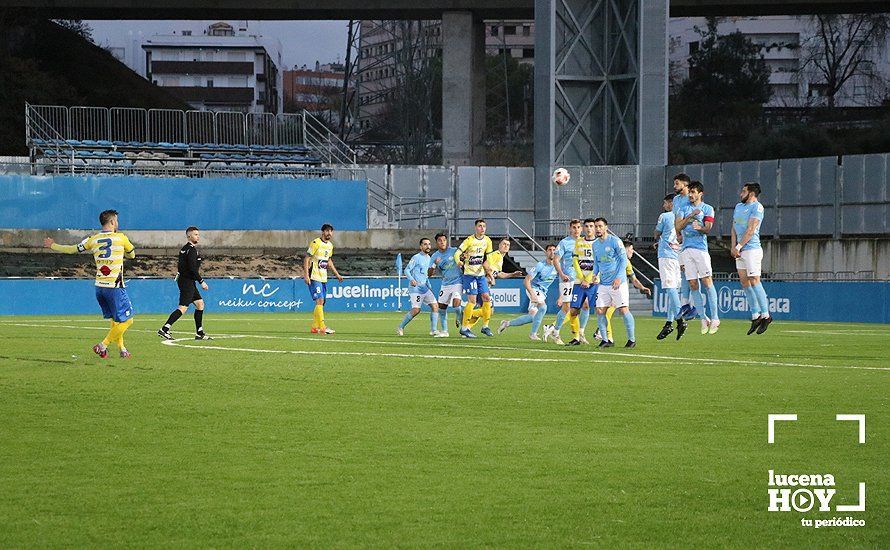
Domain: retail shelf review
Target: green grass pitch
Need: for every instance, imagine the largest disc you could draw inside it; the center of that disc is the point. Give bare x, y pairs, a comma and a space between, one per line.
268, 436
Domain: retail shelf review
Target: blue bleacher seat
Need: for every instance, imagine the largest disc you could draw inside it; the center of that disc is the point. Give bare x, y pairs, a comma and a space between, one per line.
89, 142
104, 143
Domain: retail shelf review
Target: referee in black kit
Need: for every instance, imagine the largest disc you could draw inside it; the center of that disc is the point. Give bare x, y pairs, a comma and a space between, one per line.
188, 278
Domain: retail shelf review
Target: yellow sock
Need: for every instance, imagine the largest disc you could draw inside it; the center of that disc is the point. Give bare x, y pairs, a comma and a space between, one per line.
575, 324
318, 317
609, 313
487, 311
468, 314
121, 329
112, 334
475, 316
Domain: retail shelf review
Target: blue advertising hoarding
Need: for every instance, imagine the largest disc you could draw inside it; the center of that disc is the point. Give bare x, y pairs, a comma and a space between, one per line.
859, 302
76, 296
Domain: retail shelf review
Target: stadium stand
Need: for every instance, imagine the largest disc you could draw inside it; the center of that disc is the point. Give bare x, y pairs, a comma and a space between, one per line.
169, 142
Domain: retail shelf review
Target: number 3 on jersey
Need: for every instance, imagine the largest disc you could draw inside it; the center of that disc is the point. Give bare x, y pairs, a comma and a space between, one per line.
105, 248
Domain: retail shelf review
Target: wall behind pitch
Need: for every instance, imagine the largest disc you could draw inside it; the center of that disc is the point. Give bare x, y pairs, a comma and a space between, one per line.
68, 202
853, 302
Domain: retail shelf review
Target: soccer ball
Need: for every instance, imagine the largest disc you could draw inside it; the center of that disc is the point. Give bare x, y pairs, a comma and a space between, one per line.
561, 176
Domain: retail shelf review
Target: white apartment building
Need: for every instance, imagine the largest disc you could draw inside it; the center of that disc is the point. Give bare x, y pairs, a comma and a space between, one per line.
222, 69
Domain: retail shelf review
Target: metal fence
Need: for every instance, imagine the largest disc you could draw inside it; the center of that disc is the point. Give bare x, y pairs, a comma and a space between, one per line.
165, 125
804, 197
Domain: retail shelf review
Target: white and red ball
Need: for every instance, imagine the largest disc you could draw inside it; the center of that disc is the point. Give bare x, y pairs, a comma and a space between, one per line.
561, 176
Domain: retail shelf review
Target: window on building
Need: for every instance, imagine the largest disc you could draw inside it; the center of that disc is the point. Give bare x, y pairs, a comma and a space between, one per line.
693, 47
528, 53
210, 83
526, 30
186, 33
509, 30
494, 30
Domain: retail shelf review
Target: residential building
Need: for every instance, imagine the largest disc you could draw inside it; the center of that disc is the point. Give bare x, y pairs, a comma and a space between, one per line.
223, 69
318, 90
381, 46
788, 45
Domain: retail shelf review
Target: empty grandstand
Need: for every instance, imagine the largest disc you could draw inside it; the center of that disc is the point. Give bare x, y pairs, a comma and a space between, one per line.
171, 142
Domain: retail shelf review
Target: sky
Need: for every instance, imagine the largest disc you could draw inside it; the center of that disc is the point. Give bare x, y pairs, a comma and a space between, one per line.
302, 42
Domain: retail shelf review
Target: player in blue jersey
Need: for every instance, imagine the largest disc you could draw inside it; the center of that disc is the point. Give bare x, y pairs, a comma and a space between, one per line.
420, 293
669, 267
537, 282
746, 221
610, 272
450, 291
694, 222
681, 201
565, 269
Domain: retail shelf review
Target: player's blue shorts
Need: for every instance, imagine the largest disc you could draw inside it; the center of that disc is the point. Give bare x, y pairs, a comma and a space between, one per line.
115, 303
475, 285
318, 290
579, 294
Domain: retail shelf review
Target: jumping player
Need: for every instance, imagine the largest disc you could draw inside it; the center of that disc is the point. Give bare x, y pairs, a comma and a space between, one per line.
746, 221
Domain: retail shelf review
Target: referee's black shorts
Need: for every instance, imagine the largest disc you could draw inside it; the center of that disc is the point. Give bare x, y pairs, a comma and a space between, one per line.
188, 291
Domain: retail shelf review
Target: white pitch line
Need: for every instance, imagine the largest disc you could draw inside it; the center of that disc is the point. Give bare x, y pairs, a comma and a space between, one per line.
589, 355
841, 332
175, 343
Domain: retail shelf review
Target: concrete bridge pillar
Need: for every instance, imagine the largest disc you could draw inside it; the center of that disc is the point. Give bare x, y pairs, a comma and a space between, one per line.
463, 88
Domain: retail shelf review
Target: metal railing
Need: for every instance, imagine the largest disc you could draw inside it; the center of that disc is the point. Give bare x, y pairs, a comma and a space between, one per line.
398, 210
56, 124
321, 139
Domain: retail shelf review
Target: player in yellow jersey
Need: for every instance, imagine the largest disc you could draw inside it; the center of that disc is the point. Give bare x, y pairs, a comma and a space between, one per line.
585, 288
472, 257
496, 261
109, 248
315, 272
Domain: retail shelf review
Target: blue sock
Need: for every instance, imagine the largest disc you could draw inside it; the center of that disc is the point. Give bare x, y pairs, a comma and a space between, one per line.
539, 316
762, 300
406, 320
603, 324
712, 303
443, 320
560, 319
434, 320
753, 301
698, 300
673, 309
684, 291
582, 319
629, 325
519, 321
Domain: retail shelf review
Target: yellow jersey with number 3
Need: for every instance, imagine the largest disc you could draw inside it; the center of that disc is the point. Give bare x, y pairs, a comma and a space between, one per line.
108, 249
320, 252
474, 251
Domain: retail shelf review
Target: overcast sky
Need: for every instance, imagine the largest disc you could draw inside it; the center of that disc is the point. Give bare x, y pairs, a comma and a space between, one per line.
302, 42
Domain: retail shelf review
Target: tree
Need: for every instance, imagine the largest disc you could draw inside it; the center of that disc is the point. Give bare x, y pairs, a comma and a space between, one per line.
78, 27
410, 91
727, 85
843, 49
